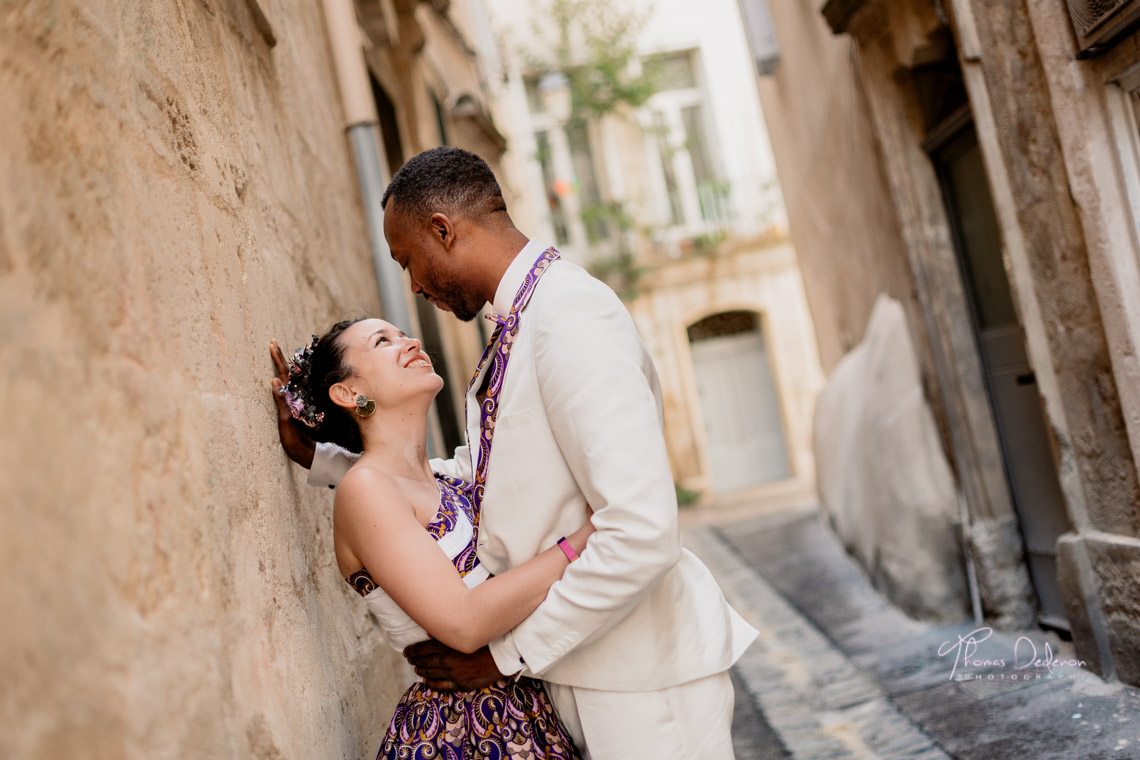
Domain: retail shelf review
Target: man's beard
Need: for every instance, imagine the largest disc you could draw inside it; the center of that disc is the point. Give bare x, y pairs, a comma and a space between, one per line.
457, 302
465, 316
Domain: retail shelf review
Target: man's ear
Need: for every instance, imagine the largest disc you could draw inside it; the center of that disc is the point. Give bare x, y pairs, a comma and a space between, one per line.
443, 229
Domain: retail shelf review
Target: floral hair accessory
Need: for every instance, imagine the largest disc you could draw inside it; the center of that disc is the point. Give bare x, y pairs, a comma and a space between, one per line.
297, 392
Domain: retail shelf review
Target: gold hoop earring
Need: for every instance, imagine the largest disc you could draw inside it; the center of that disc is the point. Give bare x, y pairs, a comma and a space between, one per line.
365, 407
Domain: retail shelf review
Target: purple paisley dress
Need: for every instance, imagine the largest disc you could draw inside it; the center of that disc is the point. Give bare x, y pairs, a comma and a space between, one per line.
508, 719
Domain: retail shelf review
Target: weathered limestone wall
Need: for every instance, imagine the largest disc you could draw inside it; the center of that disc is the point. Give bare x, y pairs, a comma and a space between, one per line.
1043, 125
1072, 251
173, 193
838, 134
884, 481
890, 38
1051, 267
839, 206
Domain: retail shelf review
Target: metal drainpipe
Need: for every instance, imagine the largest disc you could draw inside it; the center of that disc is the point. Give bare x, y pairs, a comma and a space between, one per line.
362, 126
964, 538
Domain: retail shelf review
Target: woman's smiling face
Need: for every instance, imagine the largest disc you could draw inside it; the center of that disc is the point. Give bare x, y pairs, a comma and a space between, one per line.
387, 365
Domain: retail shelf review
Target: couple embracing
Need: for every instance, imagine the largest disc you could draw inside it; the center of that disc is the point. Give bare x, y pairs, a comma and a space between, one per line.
536, 580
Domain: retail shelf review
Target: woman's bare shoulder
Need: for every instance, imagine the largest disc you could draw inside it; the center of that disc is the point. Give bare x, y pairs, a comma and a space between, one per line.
368, 491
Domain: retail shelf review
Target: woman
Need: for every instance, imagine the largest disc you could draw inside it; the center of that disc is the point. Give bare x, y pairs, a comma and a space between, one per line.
367, 387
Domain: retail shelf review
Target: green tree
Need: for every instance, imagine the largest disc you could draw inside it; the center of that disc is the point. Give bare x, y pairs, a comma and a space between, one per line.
595, 46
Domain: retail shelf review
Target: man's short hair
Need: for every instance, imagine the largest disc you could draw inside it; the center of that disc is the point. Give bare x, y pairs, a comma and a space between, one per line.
445, 180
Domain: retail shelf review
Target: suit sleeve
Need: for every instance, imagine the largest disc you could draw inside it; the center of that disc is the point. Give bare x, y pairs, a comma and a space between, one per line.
459, 466
330, 463
598, 389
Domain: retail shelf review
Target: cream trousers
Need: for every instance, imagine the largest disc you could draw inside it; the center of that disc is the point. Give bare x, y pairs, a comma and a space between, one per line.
692, 721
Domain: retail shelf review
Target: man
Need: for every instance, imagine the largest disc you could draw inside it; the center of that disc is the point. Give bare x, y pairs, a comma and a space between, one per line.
636, 640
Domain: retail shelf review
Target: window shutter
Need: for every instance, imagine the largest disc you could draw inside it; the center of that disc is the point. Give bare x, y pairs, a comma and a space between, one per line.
1100, 23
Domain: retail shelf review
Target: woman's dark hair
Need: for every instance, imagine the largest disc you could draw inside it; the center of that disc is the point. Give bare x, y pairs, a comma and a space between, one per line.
326, 369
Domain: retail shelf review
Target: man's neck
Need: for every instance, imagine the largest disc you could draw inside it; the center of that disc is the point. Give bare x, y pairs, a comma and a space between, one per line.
502, 250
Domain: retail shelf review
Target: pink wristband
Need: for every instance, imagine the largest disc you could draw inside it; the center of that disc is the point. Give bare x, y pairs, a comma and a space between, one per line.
567, 549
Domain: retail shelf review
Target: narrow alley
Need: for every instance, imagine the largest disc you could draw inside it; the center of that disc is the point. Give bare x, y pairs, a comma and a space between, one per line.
848, 289
840, 673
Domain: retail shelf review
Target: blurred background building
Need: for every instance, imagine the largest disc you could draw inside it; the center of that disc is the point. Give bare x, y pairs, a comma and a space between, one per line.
961, 178
636, 144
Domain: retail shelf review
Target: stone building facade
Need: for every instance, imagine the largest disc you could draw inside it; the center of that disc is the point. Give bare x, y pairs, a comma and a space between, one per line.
428, 63
983, 155
178, 188
699, 247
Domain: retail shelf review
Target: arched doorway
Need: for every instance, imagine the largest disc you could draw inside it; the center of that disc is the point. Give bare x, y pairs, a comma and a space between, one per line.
739, 402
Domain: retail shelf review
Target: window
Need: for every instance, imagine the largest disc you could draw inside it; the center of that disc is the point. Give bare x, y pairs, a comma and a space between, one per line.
1124, 109
440, 119
389, 126
533, 99
676, 71
573, 177
1100, 23
666, 153
693, 199
761, 35
586, 182
695, 142
554, 188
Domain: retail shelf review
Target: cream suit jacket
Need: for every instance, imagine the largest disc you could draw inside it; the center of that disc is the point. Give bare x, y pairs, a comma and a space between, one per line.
581, 422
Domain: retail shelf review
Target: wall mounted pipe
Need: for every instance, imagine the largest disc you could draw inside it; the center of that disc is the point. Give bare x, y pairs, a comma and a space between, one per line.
372, 171
362, 126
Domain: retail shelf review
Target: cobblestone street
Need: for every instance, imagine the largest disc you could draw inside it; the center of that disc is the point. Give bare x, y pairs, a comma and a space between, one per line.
837, 672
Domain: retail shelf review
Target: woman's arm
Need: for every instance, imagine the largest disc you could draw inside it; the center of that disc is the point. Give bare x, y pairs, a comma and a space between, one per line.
379, 524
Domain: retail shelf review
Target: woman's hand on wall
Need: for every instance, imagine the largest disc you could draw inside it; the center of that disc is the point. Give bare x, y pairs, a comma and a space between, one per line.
297, 445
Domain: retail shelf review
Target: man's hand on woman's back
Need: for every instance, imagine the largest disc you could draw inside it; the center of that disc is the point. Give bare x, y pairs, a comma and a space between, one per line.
445, 669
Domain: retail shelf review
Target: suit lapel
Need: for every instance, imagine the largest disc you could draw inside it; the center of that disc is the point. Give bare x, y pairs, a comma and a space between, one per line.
495, 361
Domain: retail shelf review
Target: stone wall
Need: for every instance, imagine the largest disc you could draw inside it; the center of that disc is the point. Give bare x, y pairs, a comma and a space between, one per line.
1050, 266
837, 169
839, 205
1056, 153
884, 482
174, 193
1047, 131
